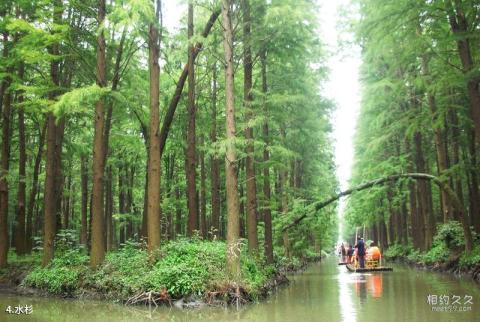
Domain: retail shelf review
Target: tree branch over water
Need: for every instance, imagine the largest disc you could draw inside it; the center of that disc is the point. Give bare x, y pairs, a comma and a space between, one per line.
416, 176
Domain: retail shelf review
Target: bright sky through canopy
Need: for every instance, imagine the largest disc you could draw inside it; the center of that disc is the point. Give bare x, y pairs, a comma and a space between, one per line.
343, 89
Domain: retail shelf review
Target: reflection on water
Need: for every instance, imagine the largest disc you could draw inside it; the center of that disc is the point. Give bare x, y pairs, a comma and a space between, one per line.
324, 292
345, 297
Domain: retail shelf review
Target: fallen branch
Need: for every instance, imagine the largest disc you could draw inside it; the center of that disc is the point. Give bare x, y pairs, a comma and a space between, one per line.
150, 297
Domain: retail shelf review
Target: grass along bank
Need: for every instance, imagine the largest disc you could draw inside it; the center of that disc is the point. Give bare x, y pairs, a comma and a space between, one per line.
189, 271
446, 255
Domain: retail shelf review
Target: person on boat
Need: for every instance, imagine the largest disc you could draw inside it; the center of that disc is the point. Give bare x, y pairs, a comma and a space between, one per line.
350, 254
343, 252
360, 246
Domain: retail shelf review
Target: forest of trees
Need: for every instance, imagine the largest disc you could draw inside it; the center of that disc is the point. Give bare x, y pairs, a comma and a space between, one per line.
420, 112
115, 128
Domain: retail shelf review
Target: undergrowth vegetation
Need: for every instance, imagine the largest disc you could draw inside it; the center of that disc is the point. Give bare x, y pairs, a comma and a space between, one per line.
181, 268
447, 245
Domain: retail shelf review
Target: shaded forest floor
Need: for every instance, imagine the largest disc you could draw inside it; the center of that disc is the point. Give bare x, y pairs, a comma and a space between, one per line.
186, 273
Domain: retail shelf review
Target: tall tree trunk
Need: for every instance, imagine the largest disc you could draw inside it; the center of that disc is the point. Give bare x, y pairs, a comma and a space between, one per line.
284, 196
178, 213
440, 146
20, 239
5, 160
233, 250
171, 194
109, 210
241, 208
59, 177
474, 192
214, 161
84, 206
423, 199
50, 194
456, 160
172, 106
203, 193
190, 151
267, 212
154, 166
121, 201
34, 188
97, 254
129, 206
251, 202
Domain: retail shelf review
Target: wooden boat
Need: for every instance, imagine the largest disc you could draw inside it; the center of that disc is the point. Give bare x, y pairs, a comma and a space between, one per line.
352, 268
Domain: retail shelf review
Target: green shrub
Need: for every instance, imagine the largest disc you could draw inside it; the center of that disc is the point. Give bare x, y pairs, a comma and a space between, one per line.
438, 253
450, 234
61, 276
414, 256
471, 259
187, 267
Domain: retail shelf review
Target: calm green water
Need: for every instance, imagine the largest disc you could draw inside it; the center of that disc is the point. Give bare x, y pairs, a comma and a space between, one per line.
325, 292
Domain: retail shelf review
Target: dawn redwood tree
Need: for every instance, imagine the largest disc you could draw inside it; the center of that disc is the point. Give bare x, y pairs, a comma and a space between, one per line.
51, 162
154, 166
5, 159
251, 203
190, 160
267, 211
233, 211
20, 238
97, 254
214, 160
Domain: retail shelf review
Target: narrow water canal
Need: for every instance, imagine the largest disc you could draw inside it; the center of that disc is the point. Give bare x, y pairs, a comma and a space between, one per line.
324, 292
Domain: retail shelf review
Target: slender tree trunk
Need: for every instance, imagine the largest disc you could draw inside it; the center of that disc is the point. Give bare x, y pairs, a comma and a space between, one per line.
267, 212
190, 151
84, 188
34, 188
154, 166
178, 213
456, 160
109, 210
130, 208
214, 161
115, 82
97, 254
59, 177
20, 238
233, 249
121, 201
251, 202
5, 160
474, 192
284, 196
241, 192
172, 106
171, 194
440, 146
203, 194
423, 190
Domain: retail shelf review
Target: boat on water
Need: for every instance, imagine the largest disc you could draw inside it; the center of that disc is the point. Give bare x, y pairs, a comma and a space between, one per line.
354, 269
